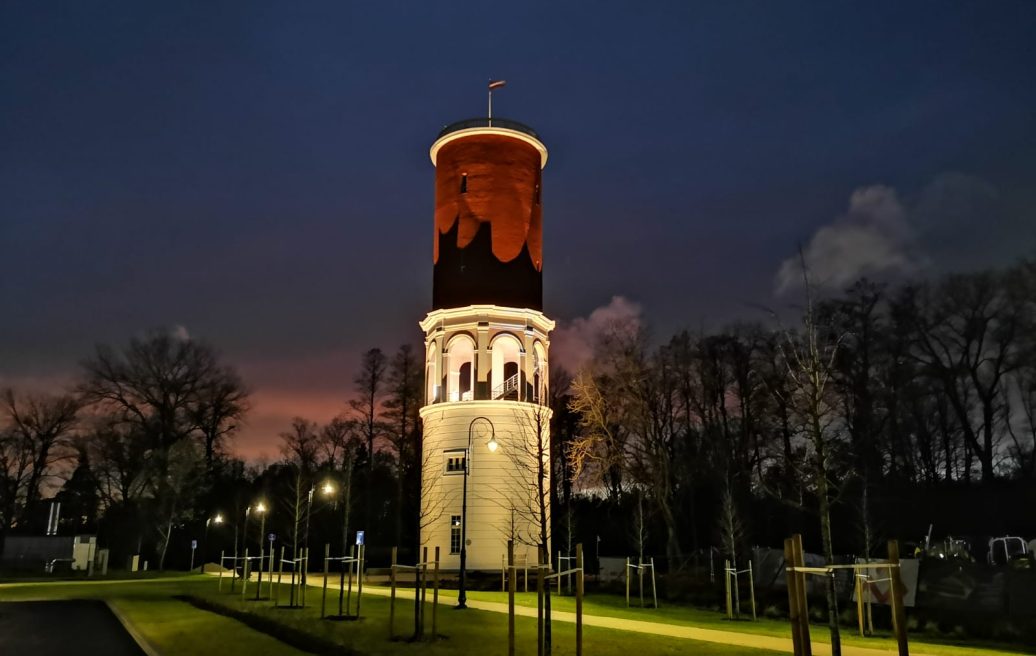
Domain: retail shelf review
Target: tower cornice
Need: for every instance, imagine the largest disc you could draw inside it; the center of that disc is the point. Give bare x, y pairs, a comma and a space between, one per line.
518, 318
484, 130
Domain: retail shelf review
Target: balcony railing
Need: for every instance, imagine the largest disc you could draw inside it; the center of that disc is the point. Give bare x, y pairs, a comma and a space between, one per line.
507, 124
507, 387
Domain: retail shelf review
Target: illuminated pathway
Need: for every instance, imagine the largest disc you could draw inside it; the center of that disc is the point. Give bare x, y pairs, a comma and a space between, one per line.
449, 598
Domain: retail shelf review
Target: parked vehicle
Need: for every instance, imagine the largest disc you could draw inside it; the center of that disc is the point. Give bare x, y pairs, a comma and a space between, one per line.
1008, 550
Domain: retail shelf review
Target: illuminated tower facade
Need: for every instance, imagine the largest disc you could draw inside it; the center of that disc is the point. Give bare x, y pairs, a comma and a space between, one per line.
486, 346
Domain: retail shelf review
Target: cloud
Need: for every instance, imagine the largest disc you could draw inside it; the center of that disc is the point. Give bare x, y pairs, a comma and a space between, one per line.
179, 332
872, 238
572, 343
883, 236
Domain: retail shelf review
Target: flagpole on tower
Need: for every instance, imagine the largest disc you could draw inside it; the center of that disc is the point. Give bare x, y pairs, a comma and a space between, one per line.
493, 84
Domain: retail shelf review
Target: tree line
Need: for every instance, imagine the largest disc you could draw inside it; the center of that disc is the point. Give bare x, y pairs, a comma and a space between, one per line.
860, 417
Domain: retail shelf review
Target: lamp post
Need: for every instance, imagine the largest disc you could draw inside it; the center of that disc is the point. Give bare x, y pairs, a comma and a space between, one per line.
462, 597
261, 509
244, 538
217, 519
305, 533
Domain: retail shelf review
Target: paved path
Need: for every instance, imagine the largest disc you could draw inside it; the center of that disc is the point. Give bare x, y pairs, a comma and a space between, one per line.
773, 643
60, 628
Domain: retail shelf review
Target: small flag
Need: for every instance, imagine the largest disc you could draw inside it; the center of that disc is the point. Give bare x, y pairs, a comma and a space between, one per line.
496, 84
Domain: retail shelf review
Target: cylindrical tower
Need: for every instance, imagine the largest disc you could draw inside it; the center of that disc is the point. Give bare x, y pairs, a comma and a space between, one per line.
486, 345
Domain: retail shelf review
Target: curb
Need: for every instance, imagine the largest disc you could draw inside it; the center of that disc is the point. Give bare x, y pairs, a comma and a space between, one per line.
131, 629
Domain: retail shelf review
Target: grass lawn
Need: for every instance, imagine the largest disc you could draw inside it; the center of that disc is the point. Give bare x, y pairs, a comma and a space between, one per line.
175, 627
171, 626
615, 606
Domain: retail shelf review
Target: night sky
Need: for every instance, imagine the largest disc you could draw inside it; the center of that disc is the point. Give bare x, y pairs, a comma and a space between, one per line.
257, 174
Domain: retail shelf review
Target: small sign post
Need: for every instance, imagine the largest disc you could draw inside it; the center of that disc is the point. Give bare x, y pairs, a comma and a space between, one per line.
194, 546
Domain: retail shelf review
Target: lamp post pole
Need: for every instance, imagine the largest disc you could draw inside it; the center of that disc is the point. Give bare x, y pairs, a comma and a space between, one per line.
218, 519
244, 539
305, 534
261, 509
462, 597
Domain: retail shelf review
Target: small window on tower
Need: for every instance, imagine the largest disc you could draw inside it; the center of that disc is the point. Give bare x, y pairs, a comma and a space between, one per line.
463, 183
454, 534
455, 461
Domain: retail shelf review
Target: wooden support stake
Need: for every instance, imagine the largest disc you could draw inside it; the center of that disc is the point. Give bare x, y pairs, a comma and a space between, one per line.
361, 559
244, 576
800, 561
269, 569
898, 605
654, 590
424, 586
419, 573
303, 575
726, 587
392, 596
280, 575
870, 609
503, 573
323, 596
539, 600
640, 579
859, 600
510, 598
435, 597
348, 590
627, 583
221, 561
793, 597
579, 599
559, 570
259, 582
751, 587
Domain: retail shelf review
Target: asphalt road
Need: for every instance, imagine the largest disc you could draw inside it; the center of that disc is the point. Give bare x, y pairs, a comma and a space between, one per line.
60, 628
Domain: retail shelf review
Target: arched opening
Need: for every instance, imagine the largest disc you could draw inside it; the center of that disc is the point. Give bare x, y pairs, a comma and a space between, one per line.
539, 373
431, 375
506, 377
461, 377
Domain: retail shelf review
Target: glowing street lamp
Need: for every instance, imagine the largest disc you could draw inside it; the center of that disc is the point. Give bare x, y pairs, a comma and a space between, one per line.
260, 508
215, 519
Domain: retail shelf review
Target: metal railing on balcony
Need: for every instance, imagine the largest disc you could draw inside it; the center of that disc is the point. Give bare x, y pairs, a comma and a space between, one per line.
505, 388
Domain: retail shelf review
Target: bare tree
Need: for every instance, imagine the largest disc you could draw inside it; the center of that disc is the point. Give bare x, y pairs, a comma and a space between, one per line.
176, 491
339, 441
527, 449
967, 336
37, 436
301, 445
149, 396
404, 383
366, 406
810, 356
731, 532
221, 404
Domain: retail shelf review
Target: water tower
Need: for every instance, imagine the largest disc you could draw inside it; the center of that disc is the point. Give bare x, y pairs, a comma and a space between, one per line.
486, 345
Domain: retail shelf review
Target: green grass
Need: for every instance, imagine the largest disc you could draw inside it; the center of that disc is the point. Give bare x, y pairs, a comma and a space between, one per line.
171, 626
175, 627
615, 606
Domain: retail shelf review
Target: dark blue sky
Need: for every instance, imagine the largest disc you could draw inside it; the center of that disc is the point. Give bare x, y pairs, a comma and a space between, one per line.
258, 172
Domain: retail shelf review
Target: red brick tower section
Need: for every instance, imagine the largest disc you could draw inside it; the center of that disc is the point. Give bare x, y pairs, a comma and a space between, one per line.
488, 245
